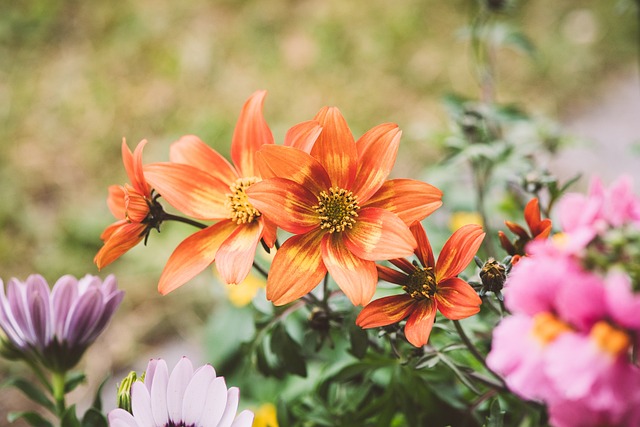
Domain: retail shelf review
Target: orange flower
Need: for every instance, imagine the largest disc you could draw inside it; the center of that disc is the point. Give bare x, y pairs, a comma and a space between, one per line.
538, 229
134, 207
429, 286
201, 183
343, 212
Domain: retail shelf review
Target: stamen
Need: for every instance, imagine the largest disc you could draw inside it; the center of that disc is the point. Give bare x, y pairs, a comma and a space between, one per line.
240, 210
547, 327
337, 209
421, 284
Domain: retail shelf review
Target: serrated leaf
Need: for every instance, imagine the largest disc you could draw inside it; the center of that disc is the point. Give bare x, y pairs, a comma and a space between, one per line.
73, 380
31, 391
94, 418
32, 418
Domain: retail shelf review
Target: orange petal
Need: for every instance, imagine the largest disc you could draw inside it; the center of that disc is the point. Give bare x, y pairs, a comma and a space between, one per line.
456, 299
190, 190
517, 230
285, 203
192, 151
411, 200
403, 265
193, 255
133, 166
297, 268
423, 251
506, 244
269, 231
335, 148
378, 235
458, 252
356, 277
251, 133
115, 201
120, 237
386, 311
303, 135
391, 275
291, 163
235, 256
420, 323
377, 151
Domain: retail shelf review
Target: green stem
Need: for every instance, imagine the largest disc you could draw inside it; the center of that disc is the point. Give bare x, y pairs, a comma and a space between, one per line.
475, 352
260, 270
58, 383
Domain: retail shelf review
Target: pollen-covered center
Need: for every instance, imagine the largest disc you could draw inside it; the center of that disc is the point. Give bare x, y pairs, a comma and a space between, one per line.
337, 209
240, 210
421, 284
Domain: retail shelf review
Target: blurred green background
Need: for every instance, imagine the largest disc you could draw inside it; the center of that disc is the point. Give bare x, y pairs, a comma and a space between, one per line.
77, 76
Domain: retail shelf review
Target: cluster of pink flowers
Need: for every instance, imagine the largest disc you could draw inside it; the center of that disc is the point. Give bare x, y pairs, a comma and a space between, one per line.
575, 299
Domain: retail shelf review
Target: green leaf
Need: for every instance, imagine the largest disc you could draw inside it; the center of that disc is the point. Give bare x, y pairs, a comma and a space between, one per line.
94, 418
69, 418
73, 380
359, 339
496, 415
288, 351
31, 391
32, 418
97, 400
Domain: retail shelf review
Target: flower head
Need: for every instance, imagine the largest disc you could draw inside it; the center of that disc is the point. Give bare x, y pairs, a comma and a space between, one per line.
343, 212
56, 326
429, 286
134, 207
538, 229
201, 183
184, 398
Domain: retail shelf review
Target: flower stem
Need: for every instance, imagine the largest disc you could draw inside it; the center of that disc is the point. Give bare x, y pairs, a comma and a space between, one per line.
58, 383
476, 353
171, 217
260, 270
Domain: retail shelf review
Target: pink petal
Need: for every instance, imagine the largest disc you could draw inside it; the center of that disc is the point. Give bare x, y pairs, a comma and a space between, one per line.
356, 277
178, 381
215, 403
233, 396
159, 380
195, 395
141, 404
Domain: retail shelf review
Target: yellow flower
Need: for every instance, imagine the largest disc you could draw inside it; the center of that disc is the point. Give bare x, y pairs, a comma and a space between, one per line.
265, 416
462, 218
243, 293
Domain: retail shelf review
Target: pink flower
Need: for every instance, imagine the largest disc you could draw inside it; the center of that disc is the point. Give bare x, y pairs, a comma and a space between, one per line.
184, 398
614, 206
56, 327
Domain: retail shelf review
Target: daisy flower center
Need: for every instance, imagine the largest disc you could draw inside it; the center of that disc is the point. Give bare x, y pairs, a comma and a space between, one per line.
337, 209
421, 284
240, 210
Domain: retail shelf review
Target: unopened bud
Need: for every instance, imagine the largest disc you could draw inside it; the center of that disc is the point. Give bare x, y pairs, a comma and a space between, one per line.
124, 390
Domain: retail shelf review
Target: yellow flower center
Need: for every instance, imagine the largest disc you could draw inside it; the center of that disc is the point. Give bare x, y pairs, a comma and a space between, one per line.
421, 284
337, 209
547, 327
609, 338
240, 210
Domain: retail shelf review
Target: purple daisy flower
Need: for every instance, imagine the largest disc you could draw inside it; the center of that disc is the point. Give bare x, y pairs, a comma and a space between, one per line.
56, 326
184, 398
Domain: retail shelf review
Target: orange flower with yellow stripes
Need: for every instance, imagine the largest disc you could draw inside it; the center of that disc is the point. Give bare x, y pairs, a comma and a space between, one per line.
429, 286
343, 212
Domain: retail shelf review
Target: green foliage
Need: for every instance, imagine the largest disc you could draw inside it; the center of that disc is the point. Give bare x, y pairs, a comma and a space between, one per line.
32, 391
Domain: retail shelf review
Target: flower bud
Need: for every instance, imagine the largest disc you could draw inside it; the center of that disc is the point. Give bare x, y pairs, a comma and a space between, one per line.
124, 390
